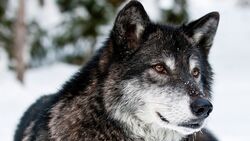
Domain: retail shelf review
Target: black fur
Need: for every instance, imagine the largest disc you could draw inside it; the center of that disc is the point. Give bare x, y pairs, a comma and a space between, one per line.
81, 110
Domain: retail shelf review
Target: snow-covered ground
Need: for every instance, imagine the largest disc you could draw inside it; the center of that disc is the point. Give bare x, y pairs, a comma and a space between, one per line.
15, 98
229, 57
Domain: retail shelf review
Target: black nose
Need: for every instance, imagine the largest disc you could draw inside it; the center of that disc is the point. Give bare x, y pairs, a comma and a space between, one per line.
201, 107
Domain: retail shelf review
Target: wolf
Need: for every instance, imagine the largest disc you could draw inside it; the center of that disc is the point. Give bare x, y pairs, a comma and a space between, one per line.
149, 82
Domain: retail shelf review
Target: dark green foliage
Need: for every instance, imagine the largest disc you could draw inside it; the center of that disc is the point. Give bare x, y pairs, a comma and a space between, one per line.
6, 35
3, 5
38, 49
177, 14
77, 59
115, 3
86, 26
6, 31
83, 19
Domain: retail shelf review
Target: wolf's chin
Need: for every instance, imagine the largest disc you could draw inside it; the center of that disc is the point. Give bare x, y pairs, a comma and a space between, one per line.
187, 131
183, 130
186, 128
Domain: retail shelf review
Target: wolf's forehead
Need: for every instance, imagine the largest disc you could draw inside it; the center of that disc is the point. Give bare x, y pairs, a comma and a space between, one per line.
172, 62
173, 40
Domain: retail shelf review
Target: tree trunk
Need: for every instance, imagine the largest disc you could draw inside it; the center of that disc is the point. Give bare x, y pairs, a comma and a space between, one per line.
19, 41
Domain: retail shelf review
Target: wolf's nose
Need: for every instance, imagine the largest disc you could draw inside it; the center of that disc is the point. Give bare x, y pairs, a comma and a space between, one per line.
201, 107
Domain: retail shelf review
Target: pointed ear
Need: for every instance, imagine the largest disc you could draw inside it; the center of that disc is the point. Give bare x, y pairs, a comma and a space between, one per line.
203, 30
129, 25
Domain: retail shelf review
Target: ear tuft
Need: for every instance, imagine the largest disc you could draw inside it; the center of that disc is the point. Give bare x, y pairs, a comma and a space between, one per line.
130, 24
203, 30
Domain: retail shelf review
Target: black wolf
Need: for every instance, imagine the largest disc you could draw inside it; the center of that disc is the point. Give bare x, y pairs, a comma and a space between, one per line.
149, 82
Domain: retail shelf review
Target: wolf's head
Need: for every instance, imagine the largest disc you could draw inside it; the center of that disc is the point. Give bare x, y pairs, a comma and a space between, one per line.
160, 75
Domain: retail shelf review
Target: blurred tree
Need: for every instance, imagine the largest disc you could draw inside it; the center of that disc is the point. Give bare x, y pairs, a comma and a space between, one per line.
244, 3
38, 49
177, 14
3, 5
82, 21
13, 34
6, 24
41, 2
19, 41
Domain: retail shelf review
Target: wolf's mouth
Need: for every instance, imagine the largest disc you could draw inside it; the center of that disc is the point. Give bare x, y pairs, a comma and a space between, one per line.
161, 117
193, 125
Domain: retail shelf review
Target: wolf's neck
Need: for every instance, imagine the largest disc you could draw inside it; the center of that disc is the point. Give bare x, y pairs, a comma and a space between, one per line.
137, 129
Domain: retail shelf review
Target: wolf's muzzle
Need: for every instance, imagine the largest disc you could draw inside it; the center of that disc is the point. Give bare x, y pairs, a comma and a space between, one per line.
201, 108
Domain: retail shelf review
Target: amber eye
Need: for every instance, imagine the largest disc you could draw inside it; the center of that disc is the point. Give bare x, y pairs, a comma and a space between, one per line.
159, 68
196, 72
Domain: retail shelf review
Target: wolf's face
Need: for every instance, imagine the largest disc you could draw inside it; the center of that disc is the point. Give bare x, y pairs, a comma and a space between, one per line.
164, 78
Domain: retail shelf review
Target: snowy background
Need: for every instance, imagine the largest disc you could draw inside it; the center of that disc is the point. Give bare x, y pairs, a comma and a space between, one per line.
230, 58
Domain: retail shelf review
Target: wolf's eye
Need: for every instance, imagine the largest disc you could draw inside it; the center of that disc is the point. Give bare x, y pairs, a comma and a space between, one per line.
159, 68
196, 72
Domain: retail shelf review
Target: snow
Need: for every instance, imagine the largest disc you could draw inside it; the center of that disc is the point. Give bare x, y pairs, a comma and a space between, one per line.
16, 98
229, 57
3, 60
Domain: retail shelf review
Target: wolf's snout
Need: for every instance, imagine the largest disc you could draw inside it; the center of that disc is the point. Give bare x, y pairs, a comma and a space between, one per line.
201, 107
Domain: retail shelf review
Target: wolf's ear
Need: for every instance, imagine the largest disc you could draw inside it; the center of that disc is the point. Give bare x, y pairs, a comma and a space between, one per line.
129, 26
203, 30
